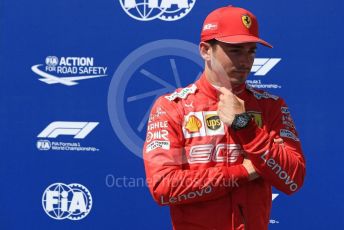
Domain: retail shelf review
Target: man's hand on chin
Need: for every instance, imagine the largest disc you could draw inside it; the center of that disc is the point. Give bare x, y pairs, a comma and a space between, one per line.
229, 105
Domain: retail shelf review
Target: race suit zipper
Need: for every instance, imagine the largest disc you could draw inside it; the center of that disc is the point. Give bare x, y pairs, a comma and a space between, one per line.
242, 216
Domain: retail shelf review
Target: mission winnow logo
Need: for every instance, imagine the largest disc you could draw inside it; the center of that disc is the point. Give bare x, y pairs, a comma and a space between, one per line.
68, 70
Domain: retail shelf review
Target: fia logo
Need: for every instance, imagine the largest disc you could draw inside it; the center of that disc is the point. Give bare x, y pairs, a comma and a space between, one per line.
43, 145
61, 201
166, 10
51, 61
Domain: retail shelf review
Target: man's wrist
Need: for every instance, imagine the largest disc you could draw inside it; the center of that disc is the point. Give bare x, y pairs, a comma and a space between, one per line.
241, 121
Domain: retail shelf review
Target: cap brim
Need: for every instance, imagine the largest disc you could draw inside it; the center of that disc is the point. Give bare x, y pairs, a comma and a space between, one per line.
238, 39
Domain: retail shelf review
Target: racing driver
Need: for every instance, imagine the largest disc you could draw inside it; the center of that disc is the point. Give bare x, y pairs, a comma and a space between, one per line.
215, 148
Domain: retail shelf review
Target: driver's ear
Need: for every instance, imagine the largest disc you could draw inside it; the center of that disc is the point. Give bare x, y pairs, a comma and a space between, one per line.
205, 50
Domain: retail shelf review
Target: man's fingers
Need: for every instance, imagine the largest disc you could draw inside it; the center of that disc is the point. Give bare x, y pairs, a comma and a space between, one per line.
225, 91
240, 100
221, 114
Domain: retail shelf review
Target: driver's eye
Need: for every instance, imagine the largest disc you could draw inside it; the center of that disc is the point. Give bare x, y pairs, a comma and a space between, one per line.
234, 50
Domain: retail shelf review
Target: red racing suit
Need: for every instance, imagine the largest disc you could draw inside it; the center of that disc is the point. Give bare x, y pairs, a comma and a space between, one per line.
193, 161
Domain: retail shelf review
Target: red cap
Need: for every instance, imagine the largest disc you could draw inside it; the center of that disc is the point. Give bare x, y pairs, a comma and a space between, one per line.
231, 25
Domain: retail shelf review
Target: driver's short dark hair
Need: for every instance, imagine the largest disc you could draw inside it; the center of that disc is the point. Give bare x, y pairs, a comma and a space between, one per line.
212, 42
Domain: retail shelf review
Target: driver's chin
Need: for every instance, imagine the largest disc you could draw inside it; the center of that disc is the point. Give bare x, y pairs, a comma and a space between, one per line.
237, 82
237, 78
230, 81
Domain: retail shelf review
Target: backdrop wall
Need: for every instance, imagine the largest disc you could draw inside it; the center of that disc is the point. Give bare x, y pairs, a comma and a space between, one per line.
78, 79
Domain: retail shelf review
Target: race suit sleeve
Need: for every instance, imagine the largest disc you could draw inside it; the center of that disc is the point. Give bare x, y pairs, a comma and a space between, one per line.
276, 154
169, 181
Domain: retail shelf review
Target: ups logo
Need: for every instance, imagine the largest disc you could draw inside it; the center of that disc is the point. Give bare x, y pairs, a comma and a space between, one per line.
213, 121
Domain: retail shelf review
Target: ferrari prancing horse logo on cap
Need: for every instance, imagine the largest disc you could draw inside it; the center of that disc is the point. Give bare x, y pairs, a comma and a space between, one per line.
246, 20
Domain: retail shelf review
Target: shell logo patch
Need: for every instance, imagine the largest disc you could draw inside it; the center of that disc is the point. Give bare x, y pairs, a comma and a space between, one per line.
193, 125
246, 20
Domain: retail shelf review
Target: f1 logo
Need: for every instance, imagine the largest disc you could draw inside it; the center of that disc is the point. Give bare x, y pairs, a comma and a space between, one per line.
261, 66
77, 129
